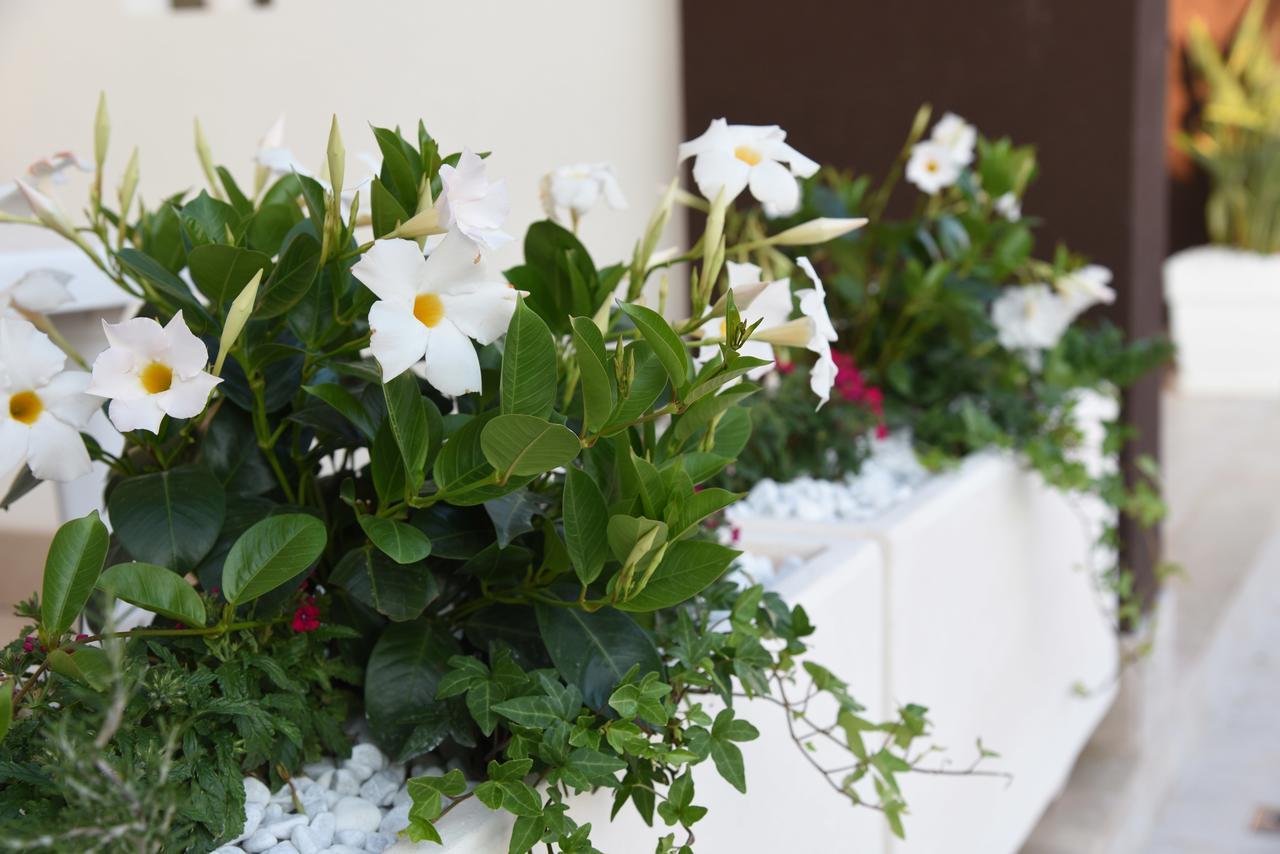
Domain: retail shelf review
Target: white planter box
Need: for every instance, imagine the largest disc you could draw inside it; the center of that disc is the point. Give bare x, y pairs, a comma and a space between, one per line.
1224, 308
970, 599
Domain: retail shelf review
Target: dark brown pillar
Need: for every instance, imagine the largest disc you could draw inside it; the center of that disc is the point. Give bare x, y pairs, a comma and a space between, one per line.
1084, 80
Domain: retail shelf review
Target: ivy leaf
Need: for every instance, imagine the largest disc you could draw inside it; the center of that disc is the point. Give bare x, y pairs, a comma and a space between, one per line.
526, 833
535, 711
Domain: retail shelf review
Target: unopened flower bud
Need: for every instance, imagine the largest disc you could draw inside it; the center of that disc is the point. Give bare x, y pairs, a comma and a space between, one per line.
237, 317
816, 231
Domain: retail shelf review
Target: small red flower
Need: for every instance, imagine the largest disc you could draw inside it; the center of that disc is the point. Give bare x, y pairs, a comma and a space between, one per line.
29, 643
786, 368
80, 638
307, 617
735, 534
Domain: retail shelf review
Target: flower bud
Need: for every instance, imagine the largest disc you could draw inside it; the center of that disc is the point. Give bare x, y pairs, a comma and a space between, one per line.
816, 231
45, 210
206, 162
422, 224
128, 186
101, 132
337, 154
237, 317
793, 333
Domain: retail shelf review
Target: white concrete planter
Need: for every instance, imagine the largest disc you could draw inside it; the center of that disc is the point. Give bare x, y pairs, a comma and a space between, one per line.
971, 599
1224, 307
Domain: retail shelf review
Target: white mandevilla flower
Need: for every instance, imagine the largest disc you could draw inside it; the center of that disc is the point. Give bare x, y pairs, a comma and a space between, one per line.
813, 305
150, 371
573, 191
771, 305
1029, 319
957, 136
1084, 288
39, 175
429, 307
931, 167
276, 160
1009, 207
40, 291
472, 204
731, 158
42, 407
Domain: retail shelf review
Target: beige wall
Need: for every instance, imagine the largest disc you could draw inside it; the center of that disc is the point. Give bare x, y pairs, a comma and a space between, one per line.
539, 83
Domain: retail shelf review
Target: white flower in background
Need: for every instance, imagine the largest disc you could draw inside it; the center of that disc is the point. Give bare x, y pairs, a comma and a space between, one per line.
40, 291
274, 157
473, 204
39, 175
1029, 319
577, 189
771, 305
1085, 288
957, 136
150, 371
932, 167
813, 305
428, 308
42, 407
734, 157
1009, 207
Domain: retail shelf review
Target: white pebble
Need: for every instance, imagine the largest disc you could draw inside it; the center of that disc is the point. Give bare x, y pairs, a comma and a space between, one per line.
369, 754
255, 791
282, 848
325, 780
396, 820
376, 843
304, 840
252, 819
229, 849
260, 841
354, 838
347, 783
314, 802
356, 814
322, 829
402, 797
283, 795
316, 769
331, 798
355, 769
425, 765
379, 789
395, 771
344, 849
274, 812
281, 829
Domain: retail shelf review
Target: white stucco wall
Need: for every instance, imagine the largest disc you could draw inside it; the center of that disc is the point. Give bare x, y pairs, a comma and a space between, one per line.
540, 84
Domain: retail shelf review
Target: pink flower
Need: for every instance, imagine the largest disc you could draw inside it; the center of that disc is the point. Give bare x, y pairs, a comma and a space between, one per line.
853, 389
29, 643
307, 617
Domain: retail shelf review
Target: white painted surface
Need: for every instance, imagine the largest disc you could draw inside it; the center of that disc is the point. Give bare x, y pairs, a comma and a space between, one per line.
1224, 309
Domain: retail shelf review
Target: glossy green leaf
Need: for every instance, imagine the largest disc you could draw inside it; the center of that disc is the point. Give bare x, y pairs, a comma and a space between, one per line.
598, 382
76, 556
586, 522
270, 553
526, 445
404, 669
408, 419
666, 345
220, 272
398, 541
528, 365
292, 277
686, 569
171, 518
6, 707
398, 592
594, 651
87, 665
155, 588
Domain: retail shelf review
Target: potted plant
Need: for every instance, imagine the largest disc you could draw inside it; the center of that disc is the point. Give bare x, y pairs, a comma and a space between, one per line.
1222, 298
460, 507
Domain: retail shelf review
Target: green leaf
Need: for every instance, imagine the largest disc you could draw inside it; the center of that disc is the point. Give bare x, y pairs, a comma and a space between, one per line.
87, 665
666, 345
206, 220
462, 470
396, 591
404, 669
526, 833
155, 589
171, 518
594, 651
512, 515
270, 553
686, 569
292, 277
386, 212
346, 403
76, 555
526, 445
398, 541
408, 421
633, 537
538, 711
586, 521
220, 272
686, 513
598, 382
148, 270
6, 707
646, 387
528, 365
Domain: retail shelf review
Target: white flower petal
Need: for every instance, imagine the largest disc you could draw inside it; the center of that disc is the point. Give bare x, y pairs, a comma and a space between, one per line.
772, 306
484, 314
65, 397
822, 375
801, 166
715, 170
757, 350
115, 376
741, 273
55, 450
456, 266
715, 136
187, 355
41, 290
399, 339
141, 413
141, 336
13, 440
28, 359
393, 269
187, 396
813, 302
451, 363
775, 188
473, 204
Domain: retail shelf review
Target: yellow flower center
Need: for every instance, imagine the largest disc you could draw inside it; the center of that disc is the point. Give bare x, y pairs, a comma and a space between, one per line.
931, 166
156, 377
428, 309
25, 407
748, 155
